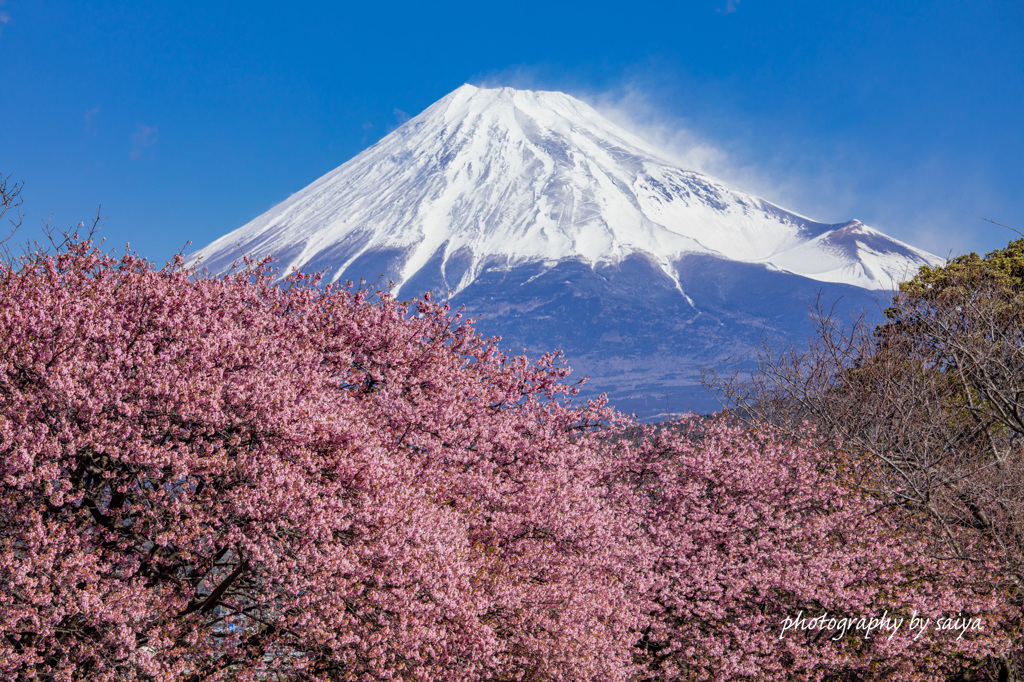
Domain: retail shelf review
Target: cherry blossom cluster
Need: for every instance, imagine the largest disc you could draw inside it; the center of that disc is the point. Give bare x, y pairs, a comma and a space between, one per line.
232, 478
754, 533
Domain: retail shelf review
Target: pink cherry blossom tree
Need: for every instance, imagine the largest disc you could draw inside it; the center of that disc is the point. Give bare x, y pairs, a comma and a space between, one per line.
767, 568
227, 478
232, 478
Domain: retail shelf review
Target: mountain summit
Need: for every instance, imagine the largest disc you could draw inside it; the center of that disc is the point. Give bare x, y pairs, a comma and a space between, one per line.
556, 228
503, 177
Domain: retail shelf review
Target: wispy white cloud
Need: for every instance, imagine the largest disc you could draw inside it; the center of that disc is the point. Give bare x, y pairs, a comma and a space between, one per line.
730, 7
677, 138
143, 140
827, 182
400, 118
5, 16
90, 121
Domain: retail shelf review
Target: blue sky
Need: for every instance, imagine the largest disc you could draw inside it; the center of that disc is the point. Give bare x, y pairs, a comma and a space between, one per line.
185, 120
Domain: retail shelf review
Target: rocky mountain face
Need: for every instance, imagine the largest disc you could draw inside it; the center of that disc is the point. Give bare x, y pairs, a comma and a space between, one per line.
555, 228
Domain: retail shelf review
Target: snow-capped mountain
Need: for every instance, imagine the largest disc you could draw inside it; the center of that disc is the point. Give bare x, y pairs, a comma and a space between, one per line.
516, 176
556, 226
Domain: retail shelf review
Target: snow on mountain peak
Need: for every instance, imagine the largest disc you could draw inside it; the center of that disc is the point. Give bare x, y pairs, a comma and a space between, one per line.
499, 177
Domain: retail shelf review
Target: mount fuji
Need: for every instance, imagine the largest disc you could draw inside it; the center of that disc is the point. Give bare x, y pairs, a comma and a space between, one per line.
556, 228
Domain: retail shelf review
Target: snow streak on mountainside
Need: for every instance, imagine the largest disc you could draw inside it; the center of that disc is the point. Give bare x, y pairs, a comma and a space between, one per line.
491, 179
